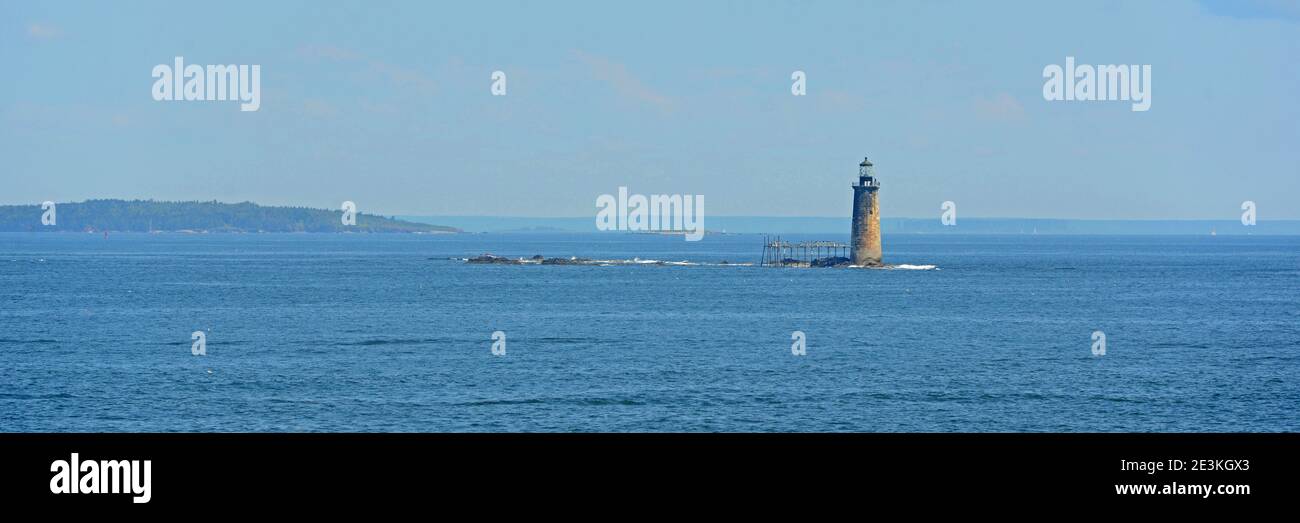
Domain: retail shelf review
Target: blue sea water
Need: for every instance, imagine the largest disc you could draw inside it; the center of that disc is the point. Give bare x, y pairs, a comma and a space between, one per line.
386, 333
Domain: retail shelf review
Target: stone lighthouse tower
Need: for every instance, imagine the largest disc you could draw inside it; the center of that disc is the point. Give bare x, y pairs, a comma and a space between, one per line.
866, 217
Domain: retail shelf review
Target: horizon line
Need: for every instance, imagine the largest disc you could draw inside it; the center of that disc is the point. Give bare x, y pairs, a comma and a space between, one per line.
717, 216
846, 217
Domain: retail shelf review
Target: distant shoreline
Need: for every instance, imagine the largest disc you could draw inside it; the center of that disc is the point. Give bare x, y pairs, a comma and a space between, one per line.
193, 217
840, 225
183, 232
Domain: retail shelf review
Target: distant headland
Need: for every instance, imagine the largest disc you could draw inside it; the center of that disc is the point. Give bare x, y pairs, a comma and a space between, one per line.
211, 216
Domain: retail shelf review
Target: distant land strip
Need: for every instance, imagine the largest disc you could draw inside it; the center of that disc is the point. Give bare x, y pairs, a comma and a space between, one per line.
212, 216
840, 225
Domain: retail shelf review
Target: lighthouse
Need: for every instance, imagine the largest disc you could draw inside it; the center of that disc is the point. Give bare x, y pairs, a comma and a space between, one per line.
866, 217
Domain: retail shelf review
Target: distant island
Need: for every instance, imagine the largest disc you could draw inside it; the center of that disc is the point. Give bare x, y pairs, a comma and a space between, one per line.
213, 216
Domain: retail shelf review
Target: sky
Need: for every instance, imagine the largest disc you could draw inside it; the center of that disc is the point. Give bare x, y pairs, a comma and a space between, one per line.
389, 105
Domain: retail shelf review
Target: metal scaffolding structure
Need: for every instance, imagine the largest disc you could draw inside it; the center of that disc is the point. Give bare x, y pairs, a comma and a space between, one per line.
780, 253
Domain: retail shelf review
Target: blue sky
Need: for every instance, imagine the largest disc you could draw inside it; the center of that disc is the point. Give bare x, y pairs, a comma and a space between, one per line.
388, 104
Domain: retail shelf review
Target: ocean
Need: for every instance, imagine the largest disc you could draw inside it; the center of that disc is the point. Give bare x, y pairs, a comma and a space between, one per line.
355, 332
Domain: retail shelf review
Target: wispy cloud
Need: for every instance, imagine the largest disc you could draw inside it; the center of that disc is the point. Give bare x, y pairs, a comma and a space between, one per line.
319, 108
399, 75
623, 81
43, 31
329, 52
1274, 9
840, 100
404, 77
1001, 108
